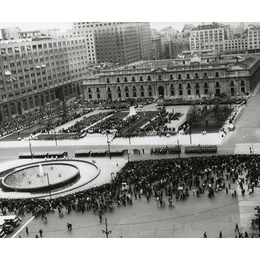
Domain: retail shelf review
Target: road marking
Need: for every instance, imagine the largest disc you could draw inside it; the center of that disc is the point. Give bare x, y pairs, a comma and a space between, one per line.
23, 227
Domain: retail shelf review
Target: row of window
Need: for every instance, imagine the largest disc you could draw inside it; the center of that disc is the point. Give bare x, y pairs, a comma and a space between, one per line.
196, 76
172, 93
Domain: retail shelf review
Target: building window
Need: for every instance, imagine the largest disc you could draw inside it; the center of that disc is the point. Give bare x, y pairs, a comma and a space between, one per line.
217, 74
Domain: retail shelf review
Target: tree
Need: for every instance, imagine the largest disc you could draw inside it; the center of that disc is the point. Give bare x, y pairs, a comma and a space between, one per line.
217, 111
193, 115
256, 222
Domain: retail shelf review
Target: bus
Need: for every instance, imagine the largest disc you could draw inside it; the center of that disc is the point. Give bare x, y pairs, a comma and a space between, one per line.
12, 220
2, 233
4, 226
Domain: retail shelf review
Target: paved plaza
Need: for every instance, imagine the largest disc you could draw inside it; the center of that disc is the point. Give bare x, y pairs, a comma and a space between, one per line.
143, 219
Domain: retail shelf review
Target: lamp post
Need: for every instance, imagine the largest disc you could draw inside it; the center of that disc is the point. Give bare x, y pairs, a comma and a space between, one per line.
30, 147
49, 184
108, 144
128, 156
178, 144
106, 231
55, 135
129, 132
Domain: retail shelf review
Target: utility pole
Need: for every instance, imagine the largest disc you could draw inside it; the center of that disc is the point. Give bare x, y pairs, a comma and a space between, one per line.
49, 184
178, 144
106, 231
108, 144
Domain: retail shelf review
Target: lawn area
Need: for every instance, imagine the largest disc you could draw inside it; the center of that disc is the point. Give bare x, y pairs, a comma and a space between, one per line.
209, 122
145, 116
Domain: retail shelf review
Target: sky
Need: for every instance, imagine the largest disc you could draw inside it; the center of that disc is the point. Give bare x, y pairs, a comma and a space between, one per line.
63, 26
31, 15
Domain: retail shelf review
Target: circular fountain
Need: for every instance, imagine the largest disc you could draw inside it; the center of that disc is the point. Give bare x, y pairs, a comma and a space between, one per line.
57, 176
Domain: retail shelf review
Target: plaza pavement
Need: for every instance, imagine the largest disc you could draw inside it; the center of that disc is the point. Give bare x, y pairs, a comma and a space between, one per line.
187, 219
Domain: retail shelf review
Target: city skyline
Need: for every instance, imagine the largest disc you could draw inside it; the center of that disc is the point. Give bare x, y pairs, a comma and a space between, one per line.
64, 26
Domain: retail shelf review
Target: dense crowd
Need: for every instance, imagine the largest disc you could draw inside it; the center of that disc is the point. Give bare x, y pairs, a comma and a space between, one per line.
120, 103
159, 123
114, 123
153, 179
69, 111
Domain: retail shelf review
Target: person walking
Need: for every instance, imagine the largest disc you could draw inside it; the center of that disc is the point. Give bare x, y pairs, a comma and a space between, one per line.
27, 230
237, 229
220, 234
40, 231
205, 234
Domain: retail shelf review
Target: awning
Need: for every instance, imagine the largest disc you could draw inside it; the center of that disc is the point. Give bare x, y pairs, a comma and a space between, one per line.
3, 51
43, 66
7, 73
14, 78
16, 49
28, 48
38, 67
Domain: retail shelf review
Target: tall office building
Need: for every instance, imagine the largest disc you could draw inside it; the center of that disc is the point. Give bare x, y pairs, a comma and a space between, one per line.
35, 72
10, 33
254, 38
205, 37
116, 42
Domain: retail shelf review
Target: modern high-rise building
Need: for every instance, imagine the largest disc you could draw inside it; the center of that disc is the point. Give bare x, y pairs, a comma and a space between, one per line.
254, 38
205, 37
35, 72
116, 42
10, 33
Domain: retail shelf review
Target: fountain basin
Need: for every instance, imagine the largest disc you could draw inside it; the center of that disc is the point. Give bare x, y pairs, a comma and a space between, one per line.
27, 179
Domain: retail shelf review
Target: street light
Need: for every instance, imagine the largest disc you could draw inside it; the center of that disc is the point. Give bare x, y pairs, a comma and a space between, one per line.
30, 147
129, 132
178, 144
55, 135
108, 144
106, 231
48, 184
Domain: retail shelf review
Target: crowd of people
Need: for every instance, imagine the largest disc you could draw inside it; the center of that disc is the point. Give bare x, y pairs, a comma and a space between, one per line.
162, 180
72, 110
115, 123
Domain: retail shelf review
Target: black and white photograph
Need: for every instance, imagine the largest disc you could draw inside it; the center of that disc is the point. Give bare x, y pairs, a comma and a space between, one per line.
130, 126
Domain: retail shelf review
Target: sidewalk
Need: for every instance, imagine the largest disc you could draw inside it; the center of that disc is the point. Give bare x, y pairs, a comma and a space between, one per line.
99, 139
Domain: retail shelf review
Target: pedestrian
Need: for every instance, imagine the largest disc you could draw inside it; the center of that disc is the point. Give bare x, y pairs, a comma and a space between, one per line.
226, 190
40, 231
220, 234
68, 226
100, 218
205, 234
246, 234
237, 229
235, 193
27, 230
